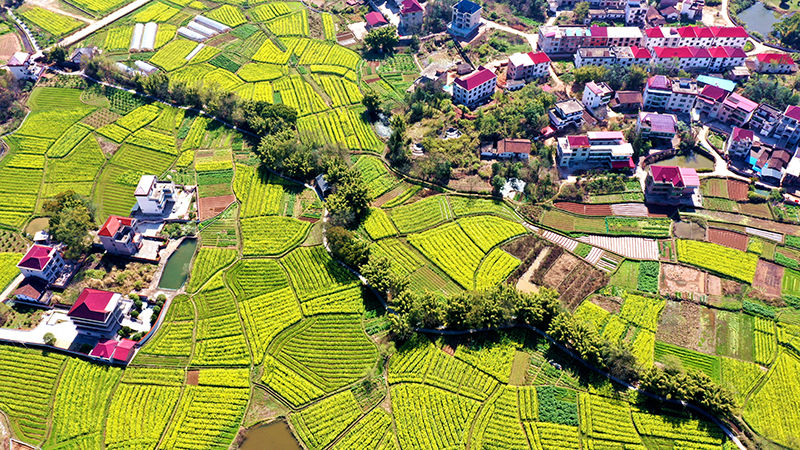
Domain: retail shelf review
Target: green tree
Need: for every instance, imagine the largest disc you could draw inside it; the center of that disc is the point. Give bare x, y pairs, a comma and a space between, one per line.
788, 31
581, 11
349, 202
57, 55
71, 218
589, 73
381, 40
49, 339
346, 247
373, 104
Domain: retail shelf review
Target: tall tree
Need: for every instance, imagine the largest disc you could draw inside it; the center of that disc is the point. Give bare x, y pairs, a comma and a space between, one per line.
71, 218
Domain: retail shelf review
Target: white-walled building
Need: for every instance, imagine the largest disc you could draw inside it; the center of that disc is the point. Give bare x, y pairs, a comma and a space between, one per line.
596, 149
656, 126
566, 113
695, 37
466, 18
411, 15
596, 94
475, 88
635, 12
663, 94
41, 261
22, 67
526, 66
774, 63
152, 195
739, 142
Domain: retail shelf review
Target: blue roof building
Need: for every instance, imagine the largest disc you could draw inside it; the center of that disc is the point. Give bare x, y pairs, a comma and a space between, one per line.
726, 85
466, 18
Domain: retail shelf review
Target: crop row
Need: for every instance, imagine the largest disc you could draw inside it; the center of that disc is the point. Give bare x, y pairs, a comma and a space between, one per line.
253, 277
295, 24
378, 225
403, 259
267, 315
206, 417
343, 126
257, 195
300, 95
421, 214
450, 249
488, 231
138, 415
495, 268
499, 423
606, 419
375, 174
313, 272
717, 258
271, 235
208, 261
346, 301
56, 24
642, 311
320, 423
429, 418
368, 432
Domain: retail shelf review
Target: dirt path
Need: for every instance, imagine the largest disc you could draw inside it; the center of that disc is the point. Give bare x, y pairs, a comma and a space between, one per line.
52, 5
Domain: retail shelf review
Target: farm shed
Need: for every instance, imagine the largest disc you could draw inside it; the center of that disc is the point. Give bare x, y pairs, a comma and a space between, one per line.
136, 39
149, 37
202, 29
189, 34
212, 24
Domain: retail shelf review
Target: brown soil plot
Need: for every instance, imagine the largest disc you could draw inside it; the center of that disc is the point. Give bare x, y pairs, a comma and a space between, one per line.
737, 190
768, 278
688, 325
675, 278
209, 207
728, 238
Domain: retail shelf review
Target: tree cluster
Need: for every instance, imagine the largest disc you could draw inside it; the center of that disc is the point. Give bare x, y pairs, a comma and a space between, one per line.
71, 218
617, 77
437, 15
349, 202
788, 31
381, 40
767, 89
9, 90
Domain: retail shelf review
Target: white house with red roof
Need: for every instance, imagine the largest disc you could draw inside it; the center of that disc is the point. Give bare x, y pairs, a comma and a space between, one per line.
670, 184
736, 109
97, 312
789, 126
514, 148
695, 37
709, 100
661, 93
411, 15
596, 149
596, 94
526, 66
119, 351
698, 58
22, 66
739, 142
119, 237
475, 88
774, 63
43, 262
375, 19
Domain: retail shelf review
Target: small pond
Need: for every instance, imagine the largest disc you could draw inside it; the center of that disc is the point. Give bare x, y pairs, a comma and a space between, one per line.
273, 436
759, 18
695, 161
177, 268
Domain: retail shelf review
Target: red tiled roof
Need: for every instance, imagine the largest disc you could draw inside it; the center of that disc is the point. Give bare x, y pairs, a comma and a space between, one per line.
654, 32
740, 102
375, 18
124, 350
740, 134
104, 349
699, 52
627, 164
476, 79
91, 304
718, 52
514, 146
539, 57
735, 52
113, 223
713, 92
672, 52
658, 82
731, 32
578, 141
410, 6
37, 257
704, 32
775, 58
687, 32
793, 112
31, 287
596, 31
676, 176
640, 52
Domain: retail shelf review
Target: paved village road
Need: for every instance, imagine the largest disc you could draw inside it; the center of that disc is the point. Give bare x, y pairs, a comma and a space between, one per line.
111, 18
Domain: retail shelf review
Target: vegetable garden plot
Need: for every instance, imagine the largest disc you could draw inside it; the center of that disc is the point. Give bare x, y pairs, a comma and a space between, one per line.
206, 417
421, 214
314, 273
118, 38
319, 424
56, 24
782, 387
295, 24
452, 250
329, 351
328, 27
271, 235
428, 417
726, 261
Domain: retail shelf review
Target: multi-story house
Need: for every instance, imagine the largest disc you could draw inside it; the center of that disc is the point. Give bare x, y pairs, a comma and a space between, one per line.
475, 88
739, 143
774, 63
709, 100
118, 236
736, 109
596, 149
466, 18
558, 39
635, 12
565, 113
663, 94
596, 94
788, 128
695, 37
670, 184
152, 196
43, 262
656, 126
22, 67
526, 66
555, 5
698, 58
612, 56
411, 14
693, 9
604, 15
97, 312
765, 119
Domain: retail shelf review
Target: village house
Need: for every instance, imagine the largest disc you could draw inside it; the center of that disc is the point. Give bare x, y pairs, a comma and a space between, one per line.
22, 67
739, 143
411, 15
375, 19
97, 312
709, 100
153, 196
475, 88
43, 262
670, 14
32, 291
604, 15
526, 66
672, 185
566, 113
555, 5
693, 9
765, 119
663, 94
656, 126
695, 37
654, 18
117, 351
597, 149
769, 163
612, 56
635, 12
774, 63
558, 39
514, 148
714, 59
788, 128
626, 101
736, 109
466, 18
119, 237
596, 94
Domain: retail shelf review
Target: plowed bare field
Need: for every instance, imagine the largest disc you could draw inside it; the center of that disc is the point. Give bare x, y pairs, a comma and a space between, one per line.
728, 238
737, 190
209, 207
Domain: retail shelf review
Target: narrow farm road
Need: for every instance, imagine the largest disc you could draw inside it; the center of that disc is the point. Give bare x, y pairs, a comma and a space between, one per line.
720, 165
111, 18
